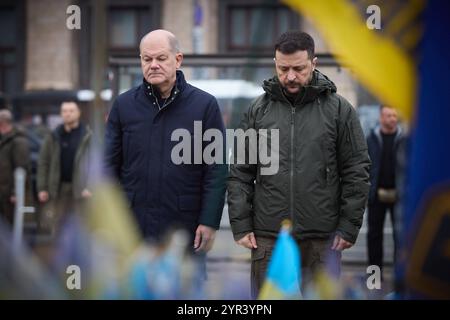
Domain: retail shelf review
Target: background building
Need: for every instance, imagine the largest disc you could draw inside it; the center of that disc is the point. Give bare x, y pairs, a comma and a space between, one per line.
43, 62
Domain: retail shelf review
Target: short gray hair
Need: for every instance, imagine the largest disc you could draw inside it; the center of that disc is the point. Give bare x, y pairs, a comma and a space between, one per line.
174, 44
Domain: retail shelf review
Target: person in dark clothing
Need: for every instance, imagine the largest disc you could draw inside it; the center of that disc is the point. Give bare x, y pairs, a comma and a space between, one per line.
70, 140
62, 173
383, 143
163, 194
323, 178
14, 153
36, 132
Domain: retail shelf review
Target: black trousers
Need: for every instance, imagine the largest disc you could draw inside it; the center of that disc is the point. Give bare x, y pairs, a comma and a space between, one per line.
377, 213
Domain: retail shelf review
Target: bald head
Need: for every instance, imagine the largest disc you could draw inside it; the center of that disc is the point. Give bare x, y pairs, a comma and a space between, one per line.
161, 36
5, 116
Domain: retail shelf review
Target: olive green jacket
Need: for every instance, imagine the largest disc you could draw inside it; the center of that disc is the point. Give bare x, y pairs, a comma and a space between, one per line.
49, 164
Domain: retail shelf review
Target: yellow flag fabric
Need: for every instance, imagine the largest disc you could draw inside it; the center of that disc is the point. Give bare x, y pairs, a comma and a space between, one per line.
109, 218
380, 60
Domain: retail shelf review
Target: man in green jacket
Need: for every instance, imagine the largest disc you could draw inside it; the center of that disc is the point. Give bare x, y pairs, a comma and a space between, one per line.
62, 167
14, 153
322, 182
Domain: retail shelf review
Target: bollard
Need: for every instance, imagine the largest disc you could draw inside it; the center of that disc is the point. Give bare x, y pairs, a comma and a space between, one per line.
20, 208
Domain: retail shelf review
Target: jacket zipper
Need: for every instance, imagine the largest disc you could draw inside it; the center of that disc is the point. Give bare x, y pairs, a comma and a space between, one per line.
165, 104
160, 173
291, 193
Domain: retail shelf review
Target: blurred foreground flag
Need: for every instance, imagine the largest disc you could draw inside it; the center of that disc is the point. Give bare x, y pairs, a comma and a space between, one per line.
284, 273
113, 238
380, 55
110, 219
426, 267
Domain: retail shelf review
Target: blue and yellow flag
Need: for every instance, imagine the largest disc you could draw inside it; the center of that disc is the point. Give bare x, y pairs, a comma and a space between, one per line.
381, 59
284, 273
426, 267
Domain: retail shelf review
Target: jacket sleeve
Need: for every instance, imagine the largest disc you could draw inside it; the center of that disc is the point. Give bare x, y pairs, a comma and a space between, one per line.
215, 174
354, 165
241, 188
44, 164
113, 143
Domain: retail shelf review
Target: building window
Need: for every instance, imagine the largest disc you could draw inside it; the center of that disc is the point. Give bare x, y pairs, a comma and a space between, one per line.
11, 46
127, 24
254, 26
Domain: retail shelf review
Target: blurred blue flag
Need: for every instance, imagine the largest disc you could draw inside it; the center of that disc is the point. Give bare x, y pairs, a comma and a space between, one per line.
284, 273
425, 268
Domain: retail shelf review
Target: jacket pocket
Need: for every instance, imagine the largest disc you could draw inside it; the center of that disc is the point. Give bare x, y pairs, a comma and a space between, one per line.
189, 203
327, 173
331, 175
355, 136
258, 254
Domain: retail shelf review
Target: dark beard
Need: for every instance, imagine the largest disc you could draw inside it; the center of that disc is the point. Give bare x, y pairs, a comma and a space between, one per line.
291, 96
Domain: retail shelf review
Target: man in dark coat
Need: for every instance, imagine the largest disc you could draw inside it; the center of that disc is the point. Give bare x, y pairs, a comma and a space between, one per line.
163, 193
384, 142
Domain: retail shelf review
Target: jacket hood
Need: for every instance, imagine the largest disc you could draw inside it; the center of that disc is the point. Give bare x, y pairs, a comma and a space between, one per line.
320, 84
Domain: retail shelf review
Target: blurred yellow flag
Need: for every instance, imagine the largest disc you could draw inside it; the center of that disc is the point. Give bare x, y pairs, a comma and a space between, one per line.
109, 218
380, 59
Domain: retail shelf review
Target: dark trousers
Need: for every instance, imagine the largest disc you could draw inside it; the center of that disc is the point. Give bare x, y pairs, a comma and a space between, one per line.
55, 211
315, 255
377, 213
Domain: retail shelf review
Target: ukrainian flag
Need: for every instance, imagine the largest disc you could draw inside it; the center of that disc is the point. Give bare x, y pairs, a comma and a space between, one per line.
284, 273
425, 264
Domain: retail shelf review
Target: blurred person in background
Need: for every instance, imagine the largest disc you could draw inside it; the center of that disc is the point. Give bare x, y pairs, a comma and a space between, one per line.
384, 142
36, 132
14, 153
62, 169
